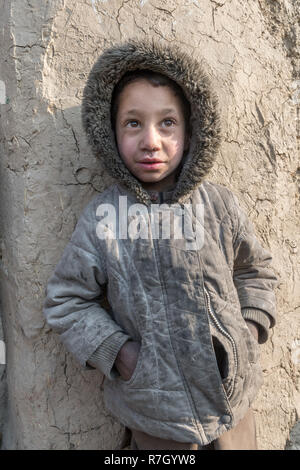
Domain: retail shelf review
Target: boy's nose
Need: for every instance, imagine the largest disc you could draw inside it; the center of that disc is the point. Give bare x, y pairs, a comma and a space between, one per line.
151, 139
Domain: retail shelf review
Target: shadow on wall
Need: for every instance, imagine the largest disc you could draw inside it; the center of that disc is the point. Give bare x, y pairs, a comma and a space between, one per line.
78, 167
294, 441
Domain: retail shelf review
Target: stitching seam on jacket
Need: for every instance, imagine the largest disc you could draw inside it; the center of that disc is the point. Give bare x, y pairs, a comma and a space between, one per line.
233, 219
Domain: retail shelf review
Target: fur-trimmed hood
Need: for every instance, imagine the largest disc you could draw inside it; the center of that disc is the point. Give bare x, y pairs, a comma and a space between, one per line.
180, 67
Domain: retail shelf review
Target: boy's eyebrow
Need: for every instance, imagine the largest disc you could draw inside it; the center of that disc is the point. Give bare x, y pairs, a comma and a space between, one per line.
162, 111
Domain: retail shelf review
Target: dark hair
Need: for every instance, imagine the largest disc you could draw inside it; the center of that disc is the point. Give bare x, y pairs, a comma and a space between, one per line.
156, 79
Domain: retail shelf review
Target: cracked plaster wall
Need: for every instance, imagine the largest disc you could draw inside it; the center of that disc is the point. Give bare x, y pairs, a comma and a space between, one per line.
48, 175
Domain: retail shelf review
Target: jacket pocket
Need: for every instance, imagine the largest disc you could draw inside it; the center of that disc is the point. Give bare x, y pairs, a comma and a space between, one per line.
138, 366
225, 350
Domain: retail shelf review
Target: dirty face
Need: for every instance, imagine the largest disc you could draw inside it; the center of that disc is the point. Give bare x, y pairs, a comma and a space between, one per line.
150, 133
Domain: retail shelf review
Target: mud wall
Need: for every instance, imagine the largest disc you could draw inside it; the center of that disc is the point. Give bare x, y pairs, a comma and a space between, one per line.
48, 175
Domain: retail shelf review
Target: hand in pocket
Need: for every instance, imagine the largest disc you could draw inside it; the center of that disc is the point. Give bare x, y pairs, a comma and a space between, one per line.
127, 358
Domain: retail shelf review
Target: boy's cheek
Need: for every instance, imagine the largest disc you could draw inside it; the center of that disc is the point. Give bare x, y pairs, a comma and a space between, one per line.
126, 149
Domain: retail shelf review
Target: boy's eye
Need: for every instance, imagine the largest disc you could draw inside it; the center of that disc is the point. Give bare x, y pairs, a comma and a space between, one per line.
132, 123
168, 122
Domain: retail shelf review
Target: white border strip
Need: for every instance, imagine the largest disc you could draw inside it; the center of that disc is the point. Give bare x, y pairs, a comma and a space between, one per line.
2, 93
2, 352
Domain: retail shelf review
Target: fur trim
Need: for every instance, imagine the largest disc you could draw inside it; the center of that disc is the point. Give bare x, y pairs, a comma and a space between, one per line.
180, 67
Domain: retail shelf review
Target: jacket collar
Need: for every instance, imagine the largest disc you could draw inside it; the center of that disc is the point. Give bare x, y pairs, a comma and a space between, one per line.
155, 197
161, 197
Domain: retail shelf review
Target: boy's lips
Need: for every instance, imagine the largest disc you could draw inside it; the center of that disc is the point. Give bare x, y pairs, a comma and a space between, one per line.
150, 164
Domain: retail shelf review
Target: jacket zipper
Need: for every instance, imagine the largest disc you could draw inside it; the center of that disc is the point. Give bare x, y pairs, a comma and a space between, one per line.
186, 386
228, 336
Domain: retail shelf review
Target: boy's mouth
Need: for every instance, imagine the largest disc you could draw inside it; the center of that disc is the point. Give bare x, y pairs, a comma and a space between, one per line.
150, 164
151, 160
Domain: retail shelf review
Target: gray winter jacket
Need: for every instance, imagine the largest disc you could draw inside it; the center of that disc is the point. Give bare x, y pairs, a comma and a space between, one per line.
198, 367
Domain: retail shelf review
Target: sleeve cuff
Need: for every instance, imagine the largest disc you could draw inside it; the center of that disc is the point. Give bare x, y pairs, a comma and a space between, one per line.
105, 355
261, 318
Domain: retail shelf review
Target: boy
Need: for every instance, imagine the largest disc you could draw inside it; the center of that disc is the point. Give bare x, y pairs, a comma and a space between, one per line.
178, 339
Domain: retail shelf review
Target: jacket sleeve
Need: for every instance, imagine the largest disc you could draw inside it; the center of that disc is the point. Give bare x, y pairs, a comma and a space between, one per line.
252, 274
73, 297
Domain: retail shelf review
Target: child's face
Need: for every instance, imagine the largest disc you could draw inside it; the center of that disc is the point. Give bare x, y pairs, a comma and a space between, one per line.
150, 132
